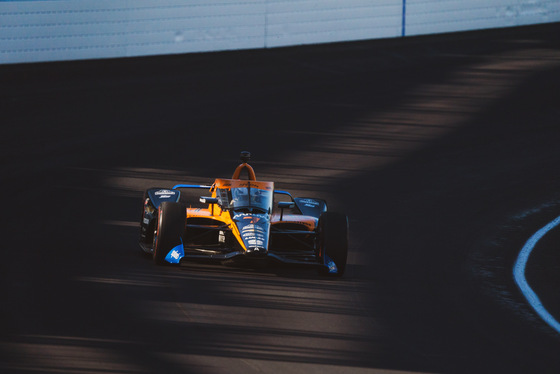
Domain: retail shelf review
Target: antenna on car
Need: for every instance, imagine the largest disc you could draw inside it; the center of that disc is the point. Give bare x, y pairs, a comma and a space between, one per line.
245, 156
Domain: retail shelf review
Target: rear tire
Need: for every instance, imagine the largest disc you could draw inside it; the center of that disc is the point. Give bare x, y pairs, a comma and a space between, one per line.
333, 240
169, 231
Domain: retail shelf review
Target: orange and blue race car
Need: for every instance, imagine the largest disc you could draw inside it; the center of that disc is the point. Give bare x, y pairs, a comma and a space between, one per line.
243, 218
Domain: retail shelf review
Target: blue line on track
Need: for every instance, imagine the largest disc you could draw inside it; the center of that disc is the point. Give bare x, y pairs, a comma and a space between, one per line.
519, 275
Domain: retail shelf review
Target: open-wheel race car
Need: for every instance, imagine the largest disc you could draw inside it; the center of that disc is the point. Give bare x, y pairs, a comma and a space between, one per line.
243, 218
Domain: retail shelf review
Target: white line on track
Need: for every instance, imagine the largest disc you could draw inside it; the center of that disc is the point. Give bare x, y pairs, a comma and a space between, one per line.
519, 275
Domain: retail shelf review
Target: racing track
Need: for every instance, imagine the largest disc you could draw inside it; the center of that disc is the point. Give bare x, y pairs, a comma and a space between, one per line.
442, 150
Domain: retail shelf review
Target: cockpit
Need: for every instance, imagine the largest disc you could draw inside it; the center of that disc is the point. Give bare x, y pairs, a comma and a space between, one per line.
244, 195
249, 198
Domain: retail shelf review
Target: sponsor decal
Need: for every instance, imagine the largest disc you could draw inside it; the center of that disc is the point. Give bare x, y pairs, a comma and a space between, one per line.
331, 265
253, 217
310, 202
174, 256
165, 193
146, 221
253, 229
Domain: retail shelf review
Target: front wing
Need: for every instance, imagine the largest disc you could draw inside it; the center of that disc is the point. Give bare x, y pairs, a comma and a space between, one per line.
307, 258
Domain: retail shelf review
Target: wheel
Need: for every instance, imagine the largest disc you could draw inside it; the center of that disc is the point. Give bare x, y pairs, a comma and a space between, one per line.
333, 241
169, 229
148, 220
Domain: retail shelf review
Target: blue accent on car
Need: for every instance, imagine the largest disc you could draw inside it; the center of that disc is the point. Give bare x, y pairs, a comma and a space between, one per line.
255, 231
331, 265
159, 195
311, 207
283, 193
176, 254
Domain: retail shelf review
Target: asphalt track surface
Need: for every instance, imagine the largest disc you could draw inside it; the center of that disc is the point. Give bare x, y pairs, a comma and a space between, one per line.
442, 150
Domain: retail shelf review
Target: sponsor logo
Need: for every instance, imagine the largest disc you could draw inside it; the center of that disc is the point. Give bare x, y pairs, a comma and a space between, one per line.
252, 228
175, 255
165, 193
248, 216
310, 202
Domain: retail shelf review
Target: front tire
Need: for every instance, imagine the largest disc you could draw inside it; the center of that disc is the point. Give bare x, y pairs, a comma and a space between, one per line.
169, 231
333, 241
148, 221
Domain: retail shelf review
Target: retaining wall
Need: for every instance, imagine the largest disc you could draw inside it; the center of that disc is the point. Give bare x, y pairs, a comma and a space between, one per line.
51, 30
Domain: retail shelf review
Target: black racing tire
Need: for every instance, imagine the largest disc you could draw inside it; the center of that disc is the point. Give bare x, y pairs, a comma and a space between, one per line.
142, 216
144, 231
147, 228
333, 240
170, 229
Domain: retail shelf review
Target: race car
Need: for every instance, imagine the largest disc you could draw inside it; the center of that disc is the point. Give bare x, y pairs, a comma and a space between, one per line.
243, 218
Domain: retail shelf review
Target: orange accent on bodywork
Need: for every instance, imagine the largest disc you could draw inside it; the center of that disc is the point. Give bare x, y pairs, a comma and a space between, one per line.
309, 222
224, 216
201, 213
240, 168
228, 184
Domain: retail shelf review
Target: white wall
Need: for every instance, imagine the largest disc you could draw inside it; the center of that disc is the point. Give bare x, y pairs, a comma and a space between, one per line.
56, 30
83, 29
440, 16
292, 22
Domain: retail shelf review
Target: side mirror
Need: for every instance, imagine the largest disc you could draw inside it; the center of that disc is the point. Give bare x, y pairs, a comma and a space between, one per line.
285, 205
208, 200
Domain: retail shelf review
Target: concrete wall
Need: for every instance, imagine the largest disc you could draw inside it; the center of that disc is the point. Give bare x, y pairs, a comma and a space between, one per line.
52, 30
441, 16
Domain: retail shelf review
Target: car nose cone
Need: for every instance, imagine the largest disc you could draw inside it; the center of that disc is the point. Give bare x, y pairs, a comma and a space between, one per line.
256, 251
